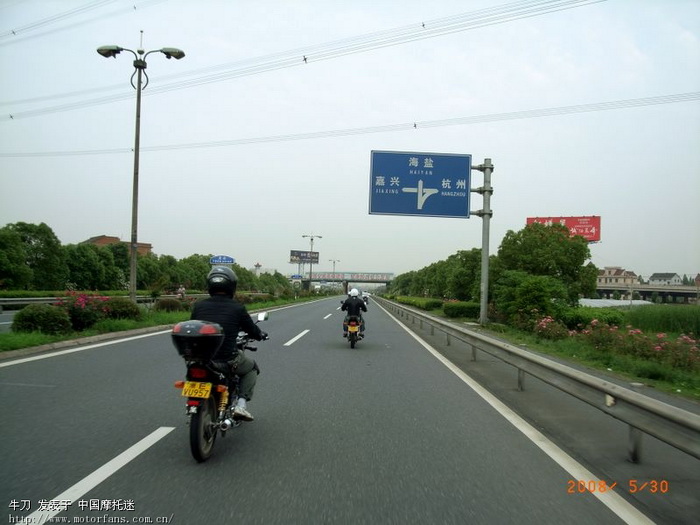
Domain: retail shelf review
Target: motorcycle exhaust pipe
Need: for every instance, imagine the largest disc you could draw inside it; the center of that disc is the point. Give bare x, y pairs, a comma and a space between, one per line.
226, 424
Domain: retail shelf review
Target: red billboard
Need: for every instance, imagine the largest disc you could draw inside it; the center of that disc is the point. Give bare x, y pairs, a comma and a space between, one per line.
586, 227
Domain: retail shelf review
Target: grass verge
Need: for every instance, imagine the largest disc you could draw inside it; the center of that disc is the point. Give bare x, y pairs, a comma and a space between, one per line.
656, 375
19, 340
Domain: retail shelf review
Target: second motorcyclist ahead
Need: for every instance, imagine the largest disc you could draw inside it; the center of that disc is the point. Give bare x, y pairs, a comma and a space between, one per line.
354, 306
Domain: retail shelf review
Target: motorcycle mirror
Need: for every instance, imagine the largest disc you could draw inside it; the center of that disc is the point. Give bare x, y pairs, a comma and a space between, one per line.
263, 316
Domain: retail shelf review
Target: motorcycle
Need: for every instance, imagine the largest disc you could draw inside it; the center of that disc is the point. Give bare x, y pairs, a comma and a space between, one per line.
354, 335
210, 387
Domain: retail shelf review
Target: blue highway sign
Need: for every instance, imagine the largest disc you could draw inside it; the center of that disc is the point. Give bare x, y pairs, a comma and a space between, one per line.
222, 259
419, 184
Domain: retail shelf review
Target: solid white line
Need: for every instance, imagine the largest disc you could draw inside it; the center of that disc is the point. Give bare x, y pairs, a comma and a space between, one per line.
295, 339
327, 316
92, 480
79, 349
616, 503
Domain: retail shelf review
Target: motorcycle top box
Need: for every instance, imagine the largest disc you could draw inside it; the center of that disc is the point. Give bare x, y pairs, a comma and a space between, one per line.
197, 340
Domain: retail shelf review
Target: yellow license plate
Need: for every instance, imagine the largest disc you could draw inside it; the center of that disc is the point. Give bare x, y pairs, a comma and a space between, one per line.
354, 328
196, 389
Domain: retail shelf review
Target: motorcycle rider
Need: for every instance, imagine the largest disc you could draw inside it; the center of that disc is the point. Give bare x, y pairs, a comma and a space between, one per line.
353, 305
220, 307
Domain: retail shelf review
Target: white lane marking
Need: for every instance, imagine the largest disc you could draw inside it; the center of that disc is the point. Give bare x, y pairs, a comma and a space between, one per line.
81, 488
295, 339
79, 349
28, 385
327, 317
616, 503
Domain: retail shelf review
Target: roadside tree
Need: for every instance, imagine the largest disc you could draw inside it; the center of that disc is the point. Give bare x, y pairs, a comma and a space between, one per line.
14, 272
44, 255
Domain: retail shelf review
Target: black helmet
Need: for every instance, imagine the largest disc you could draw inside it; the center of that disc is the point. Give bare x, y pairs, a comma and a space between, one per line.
222, 279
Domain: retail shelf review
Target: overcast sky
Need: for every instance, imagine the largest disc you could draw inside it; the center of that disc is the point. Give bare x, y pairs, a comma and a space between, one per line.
244, 77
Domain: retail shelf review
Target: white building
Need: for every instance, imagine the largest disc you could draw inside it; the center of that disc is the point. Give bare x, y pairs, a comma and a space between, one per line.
666, 279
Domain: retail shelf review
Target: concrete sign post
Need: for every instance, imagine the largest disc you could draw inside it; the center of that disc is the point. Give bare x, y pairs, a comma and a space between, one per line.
485, 213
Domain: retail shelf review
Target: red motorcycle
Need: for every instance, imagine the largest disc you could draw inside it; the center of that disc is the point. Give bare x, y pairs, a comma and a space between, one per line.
210, 387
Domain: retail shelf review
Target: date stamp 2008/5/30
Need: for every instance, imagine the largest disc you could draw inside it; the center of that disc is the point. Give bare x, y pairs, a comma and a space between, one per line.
652, 486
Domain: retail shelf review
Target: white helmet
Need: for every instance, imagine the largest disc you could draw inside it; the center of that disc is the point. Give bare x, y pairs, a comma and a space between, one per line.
354, 292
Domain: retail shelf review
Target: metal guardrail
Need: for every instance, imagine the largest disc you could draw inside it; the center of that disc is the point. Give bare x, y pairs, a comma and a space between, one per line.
672, 425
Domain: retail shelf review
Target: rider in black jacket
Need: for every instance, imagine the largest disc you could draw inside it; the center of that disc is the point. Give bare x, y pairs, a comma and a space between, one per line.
233, 317
354, 305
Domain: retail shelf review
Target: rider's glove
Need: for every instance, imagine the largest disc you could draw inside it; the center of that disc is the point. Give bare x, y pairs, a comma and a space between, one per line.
264, 336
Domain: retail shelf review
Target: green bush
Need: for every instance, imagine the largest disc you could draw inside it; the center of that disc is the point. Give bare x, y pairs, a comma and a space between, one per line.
462, 309
122, 308
167, 304
575, 318
262, 298
44, 318
521, 299
421, 302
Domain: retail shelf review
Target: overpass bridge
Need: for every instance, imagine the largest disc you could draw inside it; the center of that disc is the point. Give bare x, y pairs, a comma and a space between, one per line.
647, 292
353, 277
346, 279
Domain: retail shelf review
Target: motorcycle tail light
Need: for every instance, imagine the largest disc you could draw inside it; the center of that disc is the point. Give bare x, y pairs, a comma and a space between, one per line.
197, 373
353, 323
192, 403
209, 329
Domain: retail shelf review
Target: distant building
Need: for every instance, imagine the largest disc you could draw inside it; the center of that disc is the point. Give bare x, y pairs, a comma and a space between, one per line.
697, 280
616, 275
142, 248
666, 279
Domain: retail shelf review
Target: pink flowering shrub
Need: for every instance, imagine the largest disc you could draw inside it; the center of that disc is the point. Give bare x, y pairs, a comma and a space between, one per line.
548, 328
681, 352
83, 309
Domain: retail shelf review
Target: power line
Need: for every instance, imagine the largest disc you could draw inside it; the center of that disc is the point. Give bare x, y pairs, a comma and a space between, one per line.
418, 125
299, 57
14, 36
54, 18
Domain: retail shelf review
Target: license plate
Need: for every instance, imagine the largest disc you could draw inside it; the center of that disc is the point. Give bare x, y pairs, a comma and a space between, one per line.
196, 389
353, 328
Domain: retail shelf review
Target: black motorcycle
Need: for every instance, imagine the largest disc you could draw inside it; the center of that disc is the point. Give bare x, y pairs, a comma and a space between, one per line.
210, 387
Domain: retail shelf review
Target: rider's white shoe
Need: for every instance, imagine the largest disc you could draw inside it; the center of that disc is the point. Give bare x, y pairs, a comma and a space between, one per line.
242, 414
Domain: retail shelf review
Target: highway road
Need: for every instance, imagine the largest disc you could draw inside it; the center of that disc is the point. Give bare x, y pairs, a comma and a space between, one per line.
385, 433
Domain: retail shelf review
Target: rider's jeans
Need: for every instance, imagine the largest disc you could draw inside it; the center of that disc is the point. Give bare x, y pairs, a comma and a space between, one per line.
245, 368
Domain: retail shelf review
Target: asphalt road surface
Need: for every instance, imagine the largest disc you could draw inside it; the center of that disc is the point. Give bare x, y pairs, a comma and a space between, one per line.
385, 433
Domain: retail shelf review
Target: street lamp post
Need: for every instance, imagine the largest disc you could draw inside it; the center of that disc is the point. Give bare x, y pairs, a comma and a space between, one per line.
334, 261
140, 71
311, 264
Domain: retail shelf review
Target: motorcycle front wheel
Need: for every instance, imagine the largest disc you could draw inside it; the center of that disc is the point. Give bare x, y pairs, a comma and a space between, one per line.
203, 430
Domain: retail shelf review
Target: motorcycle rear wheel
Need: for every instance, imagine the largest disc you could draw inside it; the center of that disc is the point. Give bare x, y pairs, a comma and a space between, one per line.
203, 430
353, 340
